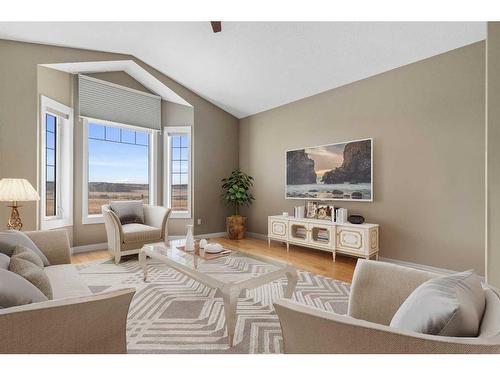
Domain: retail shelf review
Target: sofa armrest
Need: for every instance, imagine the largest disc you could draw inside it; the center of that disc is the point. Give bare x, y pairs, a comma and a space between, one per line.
309, 330
157, 216
54, 244
94, 324
378, 289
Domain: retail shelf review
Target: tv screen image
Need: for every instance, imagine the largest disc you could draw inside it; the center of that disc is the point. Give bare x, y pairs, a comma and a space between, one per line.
338, 171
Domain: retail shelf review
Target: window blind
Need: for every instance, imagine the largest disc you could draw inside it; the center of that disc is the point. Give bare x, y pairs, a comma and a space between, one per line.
110, 102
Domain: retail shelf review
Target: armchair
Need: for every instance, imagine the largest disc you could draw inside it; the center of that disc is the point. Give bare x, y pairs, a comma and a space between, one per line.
377, 291
128, 239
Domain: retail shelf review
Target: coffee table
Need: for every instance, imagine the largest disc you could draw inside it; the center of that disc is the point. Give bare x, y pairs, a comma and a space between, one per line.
240, 271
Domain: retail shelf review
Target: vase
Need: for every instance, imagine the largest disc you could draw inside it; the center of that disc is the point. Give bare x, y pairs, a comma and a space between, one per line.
189, 238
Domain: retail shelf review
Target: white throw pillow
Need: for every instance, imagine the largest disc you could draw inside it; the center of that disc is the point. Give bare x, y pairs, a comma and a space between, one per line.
451, 305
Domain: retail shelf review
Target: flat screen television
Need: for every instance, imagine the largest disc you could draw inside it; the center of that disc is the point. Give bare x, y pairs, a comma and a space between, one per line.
338, 171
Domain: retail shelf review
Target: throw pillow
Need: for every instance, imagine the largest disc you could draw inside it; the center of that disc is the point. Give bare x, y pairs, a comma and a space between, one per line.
22, 252
128, 211
11, 238
31, 271
4, 262
451, 305
16, 291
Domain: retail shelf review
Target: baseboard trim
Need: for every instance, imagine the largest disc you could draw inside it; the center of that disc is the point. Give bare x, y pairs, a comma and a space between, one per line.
257, 235
87, 248
211, 235
104, 245
423, 267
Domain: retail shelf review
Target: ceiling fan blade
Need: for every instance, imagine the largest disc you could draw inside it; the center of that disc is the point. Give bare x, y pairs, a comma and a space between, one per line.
216, 26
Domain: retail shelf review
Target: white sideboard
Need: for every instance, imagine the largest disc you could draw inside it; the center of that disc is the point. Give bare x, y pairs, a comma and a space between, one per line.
360, 240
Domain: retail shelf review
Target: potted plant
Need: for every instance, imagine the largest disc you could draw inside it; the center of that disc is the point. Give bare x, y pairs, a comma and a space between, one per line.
236, 191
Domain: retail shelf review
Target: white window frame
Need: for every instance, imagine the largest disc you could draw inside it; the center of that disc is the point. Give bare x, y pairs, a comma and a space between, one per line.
64, 164
167, 163
153, 166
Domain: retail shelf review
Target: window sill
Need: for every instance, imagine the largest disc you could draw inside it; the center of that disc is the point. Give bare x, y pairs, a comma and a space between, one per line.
180, 215
55, 223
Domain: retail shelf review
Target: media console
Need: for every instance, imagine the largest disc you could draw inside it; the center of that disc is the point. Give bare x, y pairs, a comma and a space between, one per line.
360, 240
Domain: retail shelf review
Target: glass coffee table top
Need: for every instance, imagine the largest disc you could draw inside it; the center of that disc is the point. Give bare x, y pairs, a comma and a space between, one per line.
231, 266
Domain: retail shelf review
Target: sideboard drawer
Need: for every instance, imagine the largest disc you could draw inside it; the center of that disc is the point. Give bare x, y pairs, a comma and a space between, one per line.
278, 228
351, 239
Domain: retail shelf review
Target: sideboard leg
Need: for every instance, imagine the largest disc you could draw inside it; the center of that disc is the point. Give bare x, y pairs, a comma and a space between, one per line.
287, 247
268, 242
333, 255
376, 256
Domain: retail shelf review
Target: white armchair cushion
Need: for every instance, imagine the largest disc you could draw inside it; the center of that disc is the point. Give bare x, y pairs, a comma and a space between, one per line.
451, 305
140, 233
128, 211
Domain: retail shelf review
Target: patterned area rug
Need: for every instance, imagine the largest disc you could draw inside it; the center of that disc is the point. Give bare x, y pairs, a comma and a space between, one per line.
172, 313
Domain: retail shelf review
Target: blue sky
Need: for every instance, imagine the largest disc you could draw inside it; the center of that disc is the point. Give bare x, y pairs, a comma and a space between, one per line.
117, 162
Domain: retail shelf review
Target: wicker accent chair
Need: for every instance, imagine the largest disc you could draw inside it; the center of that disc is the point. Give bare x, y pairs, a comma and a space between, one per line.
378, 289
128, 239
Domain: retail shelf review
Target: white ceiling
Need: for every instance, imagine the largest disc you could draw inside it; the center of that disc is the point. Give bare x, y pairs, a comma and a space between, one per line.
253, 66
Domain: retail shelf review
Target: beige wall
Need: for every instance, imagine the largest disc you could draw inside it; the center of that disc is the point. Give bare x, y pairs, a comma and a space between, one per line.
19, 131
427, 122
493, 155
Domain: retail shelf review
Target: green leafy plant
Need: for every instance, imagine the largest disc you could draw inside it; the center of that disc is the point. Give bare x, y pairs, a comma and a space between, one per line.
236, 189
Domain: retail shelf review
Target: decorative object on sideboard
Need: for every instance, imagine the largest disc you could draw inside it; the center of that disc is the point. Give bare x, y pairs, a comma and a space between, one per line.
299, 212
341, 215
312, 208
189, 238
356, 219
339, 171
236, 192
285, 213
16, 190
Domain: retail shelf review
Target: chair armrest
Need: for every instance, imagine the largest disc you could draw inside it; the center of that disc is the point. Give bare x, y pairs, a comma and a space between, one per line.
378, 289
54, 244
94, 324
309, 330
157, 216
114, 230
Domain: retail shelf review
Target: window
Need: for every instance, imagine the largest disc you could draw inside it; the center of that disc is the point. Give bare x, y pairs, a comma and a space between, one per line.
51, 150
119, 165
177, 156
56, 164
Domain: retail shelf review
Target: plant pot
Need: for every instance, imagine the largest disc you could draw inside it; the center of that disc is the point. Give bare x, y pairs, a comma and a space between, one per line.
236, 226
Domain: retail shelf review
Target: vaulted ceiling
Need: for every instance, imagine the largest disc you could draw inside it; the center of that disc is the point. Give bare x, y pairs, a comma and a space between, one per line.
250, 67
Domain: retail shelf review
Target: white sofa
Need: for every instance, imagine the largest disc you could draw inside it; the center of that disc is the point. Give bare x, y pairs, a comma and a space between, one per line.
75, 320
128, 239
378, 289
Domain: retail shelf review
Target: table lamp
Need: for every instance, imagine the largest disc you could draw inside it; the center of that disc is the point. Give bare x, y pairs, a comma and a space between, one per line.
16, 190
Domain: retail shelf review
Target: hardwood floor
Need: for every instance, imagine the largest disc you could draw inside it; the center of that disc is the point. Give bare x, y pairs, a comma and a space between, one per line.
310, 260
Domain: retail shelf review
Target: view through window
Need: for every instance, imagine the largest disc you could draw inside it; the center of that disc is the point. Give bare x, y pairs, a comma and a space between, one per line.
118, 165
179, 176
50, 164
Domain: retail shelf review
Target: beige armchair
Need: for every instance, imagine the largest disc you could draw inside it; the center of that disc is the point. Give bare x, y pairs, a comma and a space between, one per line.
377, 291
75, 321
128, 239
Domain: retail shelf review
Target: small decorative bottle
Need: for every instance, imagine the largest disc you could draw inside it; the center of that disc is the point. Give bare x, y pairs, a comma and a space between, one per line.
189, 238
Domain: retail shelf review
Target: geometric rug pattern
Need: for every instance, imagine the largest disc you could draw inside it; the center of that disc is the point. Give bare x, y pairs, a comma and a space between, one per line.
173, 313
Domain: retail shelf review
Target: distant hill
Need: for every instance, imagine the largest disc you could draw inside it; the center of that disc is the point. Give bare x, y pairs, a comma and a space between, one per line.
115, 187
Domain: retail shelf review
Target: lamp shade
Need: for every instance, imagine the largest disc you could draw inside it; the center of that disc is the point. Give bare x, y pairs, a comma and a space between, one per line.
17, 189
